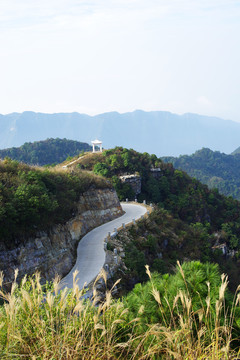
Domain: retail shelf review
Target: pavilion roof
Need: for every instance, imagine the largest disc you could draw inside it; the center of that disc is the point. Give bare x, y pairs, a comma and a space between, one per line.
95, 142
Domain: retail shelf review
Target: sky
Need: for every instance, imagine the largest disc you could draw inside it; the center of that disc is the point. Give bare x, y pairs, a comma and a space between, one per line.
120, 55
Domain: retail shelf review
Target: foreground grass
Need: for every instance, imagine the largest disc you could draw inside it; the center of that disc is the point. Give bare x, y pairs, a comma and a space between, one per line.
38, 322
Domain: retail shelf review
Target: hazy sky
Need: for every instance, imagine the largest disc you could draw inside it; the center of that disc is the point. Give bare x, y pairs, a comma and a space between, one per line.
120, 55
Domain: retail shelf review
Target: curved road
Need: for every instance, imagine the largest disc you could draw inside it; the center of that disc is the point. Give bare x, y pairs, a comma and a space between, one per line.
90, 251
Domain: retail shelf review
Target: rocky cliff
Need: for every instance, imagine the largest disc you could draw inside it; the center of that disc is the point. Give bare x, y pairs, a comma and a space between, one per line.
54, 251
134, 181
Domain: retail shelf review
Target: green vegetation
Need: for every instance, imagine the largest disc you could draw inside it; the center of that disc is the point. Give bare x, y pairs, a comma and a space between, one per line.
189, 315
190, 216
33, 199
196, 280
159, 241
215, 169
50, 151
185, 198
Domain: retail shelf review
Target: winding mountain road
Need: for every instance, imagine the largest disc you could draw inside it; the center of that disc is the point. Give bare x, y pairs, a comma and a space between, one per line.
90, 251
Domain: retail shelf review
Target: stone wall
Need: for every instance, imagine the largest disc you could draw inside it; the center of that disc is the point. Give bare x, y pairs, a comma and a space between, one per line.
54, 252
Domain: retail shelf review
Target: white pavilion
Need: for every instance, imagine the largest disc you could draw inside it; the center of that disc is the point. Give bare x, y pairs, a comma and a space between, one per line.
96, 143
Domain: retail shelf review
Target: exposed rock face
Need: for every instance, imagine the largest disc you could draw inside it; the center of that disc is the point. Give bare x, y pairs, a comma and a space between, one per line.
54, 252
134, 181
156, 172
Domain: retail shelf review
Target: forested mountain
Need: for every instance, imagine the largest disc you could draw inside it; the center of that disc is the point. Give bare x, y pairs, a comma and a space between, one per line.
213, 218
45, 152
157, 132
215, 169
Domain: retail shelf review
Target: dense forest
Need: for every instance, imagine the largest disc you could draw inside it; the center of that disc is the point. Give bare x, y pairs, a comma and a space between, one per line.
215, 169
35, 198
47, 152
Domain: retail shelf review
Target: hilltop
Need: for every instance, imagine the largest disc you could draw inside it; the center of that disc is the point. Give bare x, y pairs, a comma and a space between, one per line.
50, 151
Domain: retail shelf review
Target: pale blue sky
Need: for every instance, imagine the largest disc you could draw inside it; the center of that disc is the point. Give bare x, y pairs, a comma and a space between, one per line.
120, 55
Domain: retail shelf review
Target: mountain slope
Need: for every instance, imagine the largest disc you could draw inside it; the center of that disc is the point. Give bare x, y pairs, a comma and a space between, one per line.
45, 152
158, 132
215, 169
237, 151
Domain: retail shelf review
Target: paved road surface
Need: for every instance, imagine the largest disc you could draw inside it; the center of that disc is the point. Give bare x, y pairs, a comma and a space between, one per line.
90, 251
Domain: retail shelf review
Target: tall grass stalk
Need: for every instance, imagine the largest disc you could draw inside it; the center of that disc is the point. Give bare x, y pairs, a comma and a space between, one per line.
44, 324
39, 322
188, 334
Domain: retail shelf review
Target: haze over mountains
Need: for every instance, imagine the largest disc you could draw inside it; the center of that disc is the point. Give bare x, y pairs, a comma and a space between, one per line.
158, 132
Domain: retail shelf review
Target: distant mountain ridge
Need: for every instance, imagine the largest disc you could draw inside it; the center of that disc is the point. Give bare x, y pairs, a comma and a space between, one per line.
158, 132
237, 151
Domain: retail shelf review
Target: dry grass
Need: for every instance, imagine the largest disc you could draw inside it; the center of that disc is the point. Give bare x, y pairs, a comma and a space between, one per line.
45, 324
88, 158
87, 177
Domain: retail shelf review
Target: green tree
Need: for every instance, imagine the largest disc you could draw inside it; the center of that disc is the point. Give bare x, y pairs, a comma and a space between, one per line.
101, 169
196, 280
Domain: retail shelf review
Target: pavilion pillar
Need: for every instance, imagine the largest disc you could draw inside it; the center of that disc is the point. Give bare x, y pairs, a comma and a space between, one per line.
97, 143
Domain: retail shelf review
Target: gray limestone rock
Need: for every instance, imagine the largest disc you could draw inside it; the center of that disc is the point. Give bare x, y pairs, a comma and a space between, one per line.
54, 252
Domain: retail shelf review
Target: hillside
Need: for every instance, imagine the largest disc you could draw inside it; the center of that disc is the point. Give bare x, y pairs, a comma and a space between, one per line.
157, 132
33, 199
215, 169
50, 151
